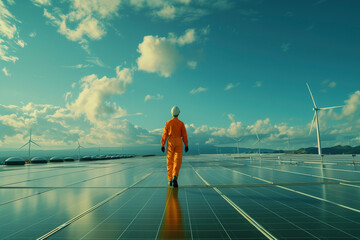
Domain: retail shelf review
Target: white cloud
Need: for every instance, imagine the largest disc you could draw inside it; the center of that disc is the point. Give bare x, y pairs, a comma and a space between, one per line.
160, 55
235, 129
329, 84
96, 61
88, 26
21, 43
156, 97
210, 141
198, 90
351, 110
40, 3
187, 38
86, 20
7, 23
192, 64
52, 128
260, 127
79, 66
67, 95
231, 117
185, 10
32, 35
9, 34
231, 86
6, 72
93, 100
167, 12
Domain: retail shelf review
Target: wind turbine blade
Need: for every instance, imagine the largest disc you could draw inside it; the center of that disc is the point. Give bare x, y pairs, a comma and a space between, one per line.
256, 142
257, 136
35, 143
331, 107
24, 145
311, 95
312, 123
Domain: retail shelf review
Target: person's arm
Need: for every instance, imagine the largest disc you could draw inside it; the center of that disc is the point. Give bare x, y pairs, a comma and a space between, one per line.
184, 137
164, 137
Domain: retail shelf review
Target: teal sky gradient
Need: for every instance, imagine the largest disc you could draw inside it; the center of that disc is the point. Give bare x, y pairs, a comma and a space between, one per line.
251, 58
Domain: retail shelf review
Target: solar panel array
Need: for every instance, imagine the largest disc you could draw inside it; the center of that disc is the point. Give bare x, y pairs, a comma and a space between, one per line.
219, 197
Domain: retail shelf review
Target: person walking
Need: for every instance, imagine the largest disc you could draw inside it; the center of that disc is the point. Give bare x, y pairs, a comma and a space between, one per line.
176, 132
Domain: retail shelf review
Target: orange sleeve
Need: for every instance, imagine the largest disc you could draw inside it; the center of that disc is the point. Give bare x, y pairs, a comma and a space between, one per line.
165, 135
184, 135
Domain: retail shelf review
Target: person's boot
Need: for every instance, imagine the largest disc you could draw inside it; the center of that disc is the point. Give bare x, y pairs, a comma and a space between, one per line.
170, 183
174, 181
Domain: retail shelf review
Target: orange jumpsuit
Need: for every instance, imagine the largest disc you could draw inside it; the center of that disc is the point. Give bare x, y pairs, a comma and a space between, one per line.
175, 130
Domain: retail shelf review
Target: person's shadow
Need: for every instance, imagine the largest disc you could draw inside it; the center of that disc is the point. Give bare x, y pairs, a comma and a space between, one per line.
172, 226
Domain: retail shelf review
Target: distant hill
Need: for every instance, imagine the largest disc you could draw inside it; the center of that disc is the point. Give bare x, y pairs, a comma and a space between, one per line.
330, 150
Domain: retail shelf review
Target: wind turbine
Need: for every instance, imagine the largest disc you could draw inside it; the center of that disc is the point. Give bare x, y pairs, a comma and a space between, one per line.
316, 119
288, 142
258, 141
78, 149
238, 140
29, 143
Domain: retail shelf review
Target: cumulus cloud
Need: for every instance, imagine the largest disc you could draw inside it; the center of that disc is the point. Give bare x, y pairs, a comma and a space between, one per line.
86, 20
32, 35
156, 97
5, 71
198, 90
9, 34
19, 119
160, 54
93, 100
351, 109
52, 128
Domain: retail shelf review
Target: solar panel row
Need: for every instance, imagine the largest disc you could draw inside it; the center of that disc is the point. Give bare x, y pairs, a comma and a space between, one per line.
219, 197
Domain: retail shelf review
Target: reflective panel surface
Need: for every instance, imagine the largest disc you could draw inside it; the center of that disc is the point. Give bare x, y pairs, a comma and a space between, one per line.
219, 197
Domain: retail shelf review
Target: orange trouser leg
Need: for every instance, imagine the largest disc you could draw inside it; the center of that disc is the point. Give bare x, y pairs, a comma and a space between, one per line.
174, 157
170, 162
177, 163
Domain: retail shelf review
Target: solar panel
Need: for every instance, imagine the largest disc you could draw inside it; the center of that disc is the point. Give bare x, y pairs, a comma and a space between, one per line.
219, 197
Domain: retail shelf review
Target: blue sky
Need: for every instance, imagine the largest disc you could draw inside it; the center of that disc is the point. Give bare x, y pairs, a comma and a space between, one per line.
108, 72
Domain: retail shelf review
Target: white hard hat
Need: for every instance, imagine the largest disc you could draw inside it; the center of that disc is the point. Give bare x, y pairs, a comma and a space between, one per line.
175, 111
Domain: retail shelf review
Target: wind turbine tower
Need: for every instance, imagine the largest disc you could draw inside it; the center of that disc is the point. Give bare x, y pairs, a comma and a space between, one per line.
258, 141
29, 143
78, 149
238, 140
316, 119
